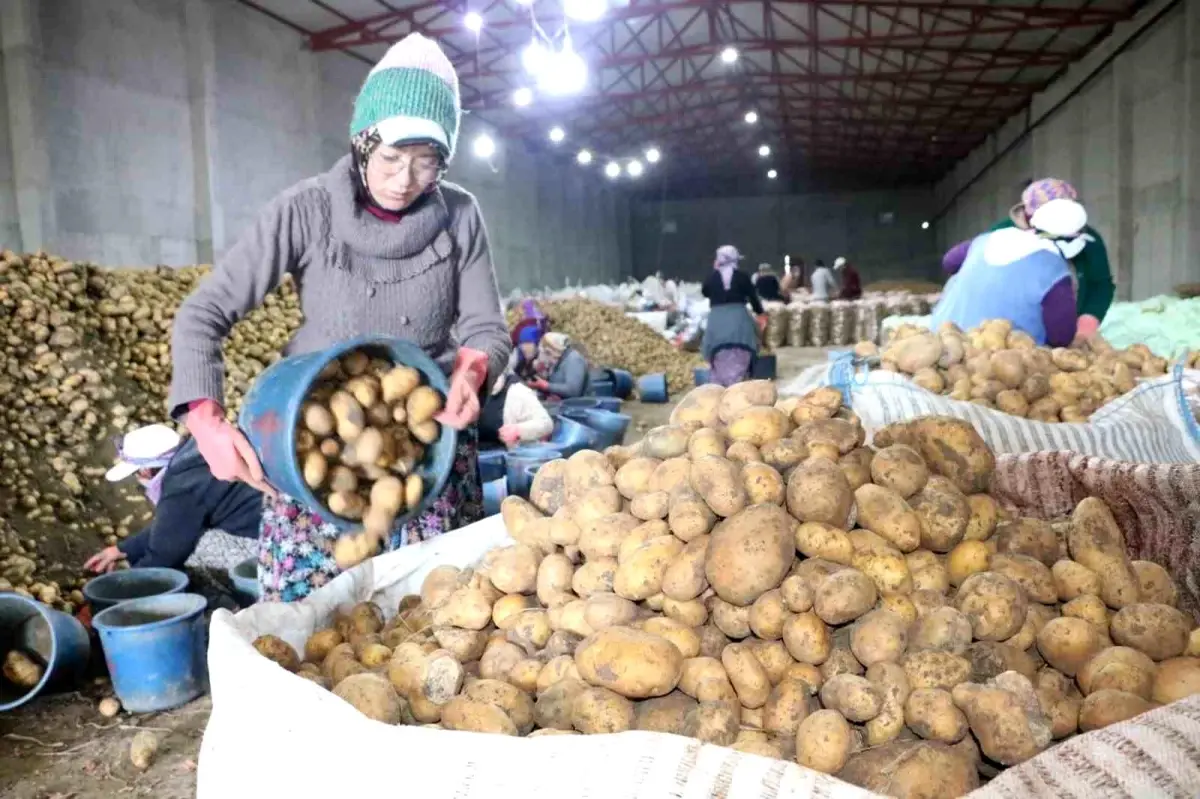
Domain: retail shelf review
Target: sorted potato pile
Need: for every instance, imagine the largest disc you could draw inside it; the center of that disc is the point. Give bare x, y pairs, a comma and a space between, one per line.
609, 338
87, 357
362, 431
753, 576
998, 367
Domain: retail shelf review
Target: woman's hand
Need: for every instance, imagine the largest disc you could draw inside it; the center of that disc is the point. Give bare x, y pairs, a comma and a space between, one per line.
466, 379
225, 449
509, 434
104, 561
539, 384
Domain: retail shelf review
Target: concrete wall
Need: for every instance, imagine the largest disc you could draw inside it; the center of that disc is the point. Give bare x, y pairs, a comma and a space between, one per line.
1128, 138
679, 237
137, 132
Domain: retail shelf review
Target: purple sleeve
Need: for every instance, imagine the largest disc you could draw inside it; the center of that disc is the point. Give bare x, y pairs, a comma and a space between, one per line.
1058, 313
954, 257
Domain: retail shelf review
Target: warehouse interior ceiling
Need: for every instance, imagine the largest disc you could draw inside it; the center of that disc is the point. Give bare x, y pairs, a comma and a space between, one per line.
890, 90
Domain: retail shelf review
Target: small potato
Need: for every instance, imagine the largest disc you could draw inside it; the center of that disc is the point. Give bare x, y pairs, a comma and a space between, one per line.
663, 713
944, 513
594, 576
931, 714
689, 515
1105, 707
891, 682
768, 614
817, 491
856, 698
465, 645
1155, 583
841, 660
820, 540
598, 710
704, 679
706, 441
824, 741
783, 454
1029, 573
1160, 631
1090, 608
371, 695
942, 629
732, 620
789, 703
1031, 537
513, 569
269, 646
713, 722
934, 669
556, 670
984, 514
473, 715
844, 596
652, 505
1177, 678
969, 557
554, 577
807, 638
320, 644
796, 594
1073, 580
877, 637
692, 613
1095, 541
671, 475
747, 675
900, 469
774, 657
762, 483
684, 578
994, 604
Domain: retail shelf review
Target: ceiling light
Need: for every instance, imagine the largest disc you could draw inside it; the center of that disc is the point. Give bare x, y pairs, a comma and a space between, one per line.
585, 10
483, 146
584, 157
764, 151
565, 72
613, 170
557, 134
653, 155
534, 57
635, 169
522, 97
751, 117
924, 226
525, 2
729, 55
473, 21
772, 174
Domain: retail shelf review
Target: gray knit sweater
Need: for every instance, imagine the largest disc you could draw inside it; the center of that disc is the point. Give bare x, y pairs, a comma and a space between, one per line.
427, 278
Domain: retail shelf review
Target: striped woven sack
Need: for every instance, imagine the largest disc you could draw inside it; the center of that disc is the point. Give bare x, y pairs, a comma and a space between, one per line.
1153, 423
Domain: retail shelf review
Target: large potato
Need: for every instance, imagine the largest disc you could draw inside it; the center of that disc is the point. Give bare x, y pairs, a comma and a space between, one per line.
601, 537
704, 679
935, 669
1101, 708
371, 695
667, 441
824, 741
994, 604
707, 441
713, 723
817, 491
748, 393
762, 483
1007, 731
931, 714
663, 713
1073, 580
944, 513
877, 637
747, 675
820, 540
954, 449
671, 475
750, 553
634, 477
1029, 573
1155, 583
584, 471
641, 576
912, 770
1096, 542
783, 453
900, 469
598, 710
635, 664
719, 483
689, 516
549, 490
1160, 631
789, 703
1032, 537
807, 638
1177, 678
1119, 668
759, 425
684, 579
700, 406
856, 698
943, 629
990, 659
1067, 644
885, 513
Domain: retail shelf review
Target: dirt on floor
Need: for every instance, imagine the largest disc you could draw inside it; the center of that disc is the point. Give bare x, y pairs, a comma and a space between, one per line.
61, 747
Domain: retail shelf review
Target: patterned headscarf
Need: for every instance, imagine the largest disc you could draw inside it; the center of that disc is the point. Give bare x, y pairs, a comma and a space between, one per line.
725, 262
362, 145
550, 351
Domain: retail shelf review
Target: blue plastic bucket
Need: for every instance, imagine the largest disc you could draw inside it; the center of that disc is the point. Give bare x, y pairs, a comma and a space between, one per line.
155, 650
491, 465
579, 403
763, 368
521, 457
603, 388
571, 434
120, 586
609, 427
609, 403
623, 383
271, 410
494, 493
701, 375
244, 577
53, 638
653, 388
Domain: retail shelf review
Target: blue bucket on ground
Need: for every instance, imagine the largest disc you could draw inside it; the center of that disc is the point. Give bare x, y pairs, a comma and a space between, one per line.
623, 383
609, 403
491, 465
155, 650
603, 388
244, 577
763, 368
579, 403
120, 586
609, 427
701, 375
521, 457
571, 434
494, 493
271, 409
653, 388
53, 638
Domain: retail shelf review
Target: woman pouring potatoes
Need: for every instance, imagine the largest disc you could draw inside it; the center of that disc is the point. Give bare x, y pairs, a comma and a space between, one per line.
379, 244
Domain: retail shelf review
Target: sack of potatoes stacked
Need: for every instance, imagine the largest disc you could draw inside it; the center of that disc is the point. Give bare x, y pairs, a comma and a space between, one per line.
753, 576
997, 367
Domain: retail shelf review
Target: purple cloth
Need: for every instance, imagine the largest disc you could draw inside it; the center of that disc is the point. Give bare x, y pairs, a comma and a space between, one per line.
726, 272
730, 365
952, 261
154, 486
1059, 314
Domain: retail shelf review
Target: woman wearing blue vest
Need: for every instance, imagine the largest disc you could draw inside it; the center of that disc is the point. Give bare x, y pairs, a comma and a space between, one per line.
1017, 275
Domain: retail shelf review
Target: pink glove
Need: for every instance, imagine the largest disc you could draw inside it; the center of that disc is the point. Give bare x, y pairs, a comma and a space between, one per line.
225, 449
509, 434
466, 379
1087, 326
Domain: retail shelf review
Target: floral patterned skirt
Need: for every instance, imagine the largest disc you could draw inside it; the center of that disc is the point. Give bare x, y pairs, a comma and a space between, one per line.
296, 545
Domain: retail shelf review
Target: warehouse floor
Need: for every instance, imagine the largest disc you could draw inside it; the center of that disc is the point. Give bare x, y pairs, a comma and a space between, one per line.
60, 747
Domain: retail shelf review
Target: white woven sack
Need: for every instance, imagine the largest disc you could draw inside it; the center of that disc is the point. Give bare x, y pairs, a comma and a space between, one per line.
1151, 424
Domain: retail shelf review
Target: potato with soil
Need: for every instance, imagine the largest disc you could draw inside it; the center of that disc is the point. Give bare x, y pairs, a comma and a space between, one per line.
900, 469
371, 695
663, 713
746, 674
668, 441
844, 596
689, 516
747, 394
1068, 643
1008, 730
912, 770
713, 722
942, 629
1029, 573
1177, 678
856, 698
1072, 580
514, 702
1031, 537
885, 513
718, 482
597, 711
817, 491
700, 405
994, 604
1107, 706
824, 741
1096, 542
641, 575
931, 668
633, 663
943, 512
750, 553
1160, 631
273, 648
807, 638
763, 484
931, 714
877, 637
820, 540
955, 450
1155, 583
548, 492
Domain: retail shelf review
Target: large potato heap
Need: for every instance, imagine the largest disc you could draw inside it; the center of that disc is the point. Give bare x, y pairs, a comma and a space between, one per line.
753, 576
998, 367
362, 431
609, 338
87, 357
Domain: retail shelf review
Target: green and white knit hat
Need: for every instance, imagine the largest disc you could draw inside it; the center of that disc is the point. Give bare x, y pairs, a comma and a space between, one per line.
410, 95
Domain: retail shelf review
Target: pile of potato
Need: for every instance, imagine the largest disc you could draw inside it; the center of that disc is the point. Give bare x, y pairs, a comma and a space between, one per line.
752, 575
362, 431
86, 357
998, 367
609, 338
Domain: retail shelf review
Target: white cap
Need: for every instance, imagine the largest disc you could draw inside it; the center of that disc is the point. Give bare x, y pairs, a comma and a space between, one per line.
728, 254
148, 447
1061, 218
839, 262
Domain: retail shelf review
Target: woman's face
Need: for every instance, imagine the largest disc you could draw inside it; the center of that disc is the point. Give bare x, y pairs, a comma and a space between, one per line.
529, 350
397, 176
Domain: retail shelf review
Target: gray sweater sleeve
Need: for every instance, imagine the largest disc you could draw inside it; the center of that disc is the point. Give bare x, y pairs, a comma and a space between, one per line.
481, 324
569, 378
239, 282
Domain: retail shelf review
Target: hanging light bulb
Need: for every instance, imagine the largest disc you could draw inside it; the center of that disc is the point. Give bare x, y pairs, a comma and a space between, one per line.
522, 97
585, 10
772, 174
565, 72
557, 134
613, 170
635, 168
751, 117
584, 158
534, 57
729, 55
473, 21
484, 146
764, 151
924, 226
653, 155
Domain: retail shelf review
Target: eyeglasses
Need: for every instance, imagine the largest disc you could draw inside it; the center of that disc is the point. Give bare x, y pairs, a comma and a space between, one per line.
424, 167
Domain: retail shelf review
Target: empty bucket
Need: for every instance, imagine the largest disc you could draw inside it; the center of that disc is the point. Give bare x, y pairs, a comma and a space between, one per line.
609, 427
603, 388
53, 640
571, 434
244, 577
623, 383
579, 403
701, 375
494, 493
521, 457
155, 650
109, 589
491, 465
653, 388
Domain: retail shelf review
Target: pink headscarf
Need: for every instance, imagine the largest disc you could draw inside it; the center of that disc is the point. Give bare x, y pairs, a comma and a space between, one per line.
727, 261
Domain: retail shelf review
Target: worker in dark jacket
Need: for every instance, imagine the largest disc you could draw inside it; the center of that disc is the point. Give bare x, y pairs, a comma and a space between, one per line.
767, 285
730, 335
849, 278
188, 501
